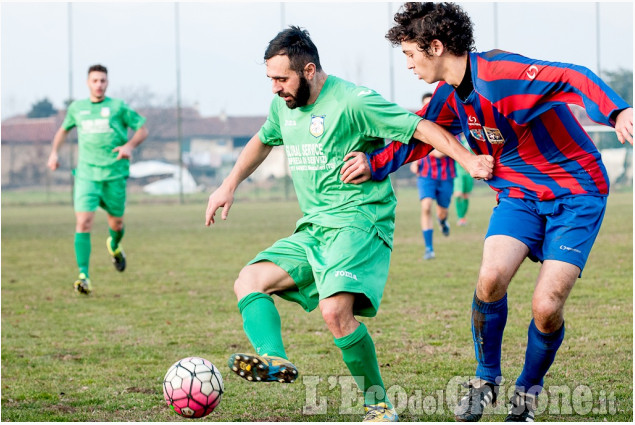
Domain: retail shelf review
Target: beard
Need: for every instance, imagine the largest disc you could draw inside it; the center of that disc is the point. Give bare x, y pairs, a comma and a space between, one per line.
301, 96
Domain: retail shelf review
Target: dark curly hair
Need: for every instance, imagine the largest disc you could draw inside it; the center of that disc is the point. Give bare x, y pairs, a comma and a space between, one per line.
98, 68
295, 43
425, 22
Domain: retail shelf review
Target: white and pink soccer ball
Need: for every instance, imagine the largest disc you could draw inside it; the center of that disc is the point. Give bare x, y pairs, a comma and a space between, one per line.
193, 387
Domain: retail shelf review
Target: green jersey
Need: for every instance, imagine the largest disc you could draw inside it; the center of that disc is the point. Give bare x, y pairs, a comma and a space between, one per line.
316, 137
101, 127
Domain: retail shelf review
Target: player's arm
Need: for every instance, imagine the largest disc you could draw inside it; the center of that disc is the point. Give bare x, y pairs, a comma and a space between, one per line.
249, 159
479, 166
360, 167
532, 86
624, 126
58, 140
125, 150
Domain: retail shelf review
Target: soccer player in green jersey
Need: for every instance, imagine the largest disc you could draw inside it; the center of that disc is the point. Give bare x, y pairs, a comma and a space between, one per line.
463, 185
337, 259
102, 167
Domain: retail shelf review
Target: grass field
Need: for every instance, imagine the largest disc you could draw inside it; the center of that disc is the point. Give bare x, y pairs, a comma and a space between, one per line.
102, 358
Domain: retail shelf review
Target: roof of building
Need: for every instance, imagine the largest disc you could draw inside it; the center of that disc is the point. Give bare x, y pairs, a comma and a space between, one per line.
161, 123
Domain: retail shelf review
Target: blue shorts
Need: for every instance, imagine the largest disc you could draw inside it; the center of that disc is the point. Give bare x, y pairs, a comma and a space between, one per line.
439, 190
561, 229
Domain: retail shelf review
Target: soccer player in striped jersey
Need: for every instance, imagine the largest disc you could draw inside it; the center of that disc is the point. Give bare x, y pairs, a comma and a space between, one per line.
548, 175
435, 182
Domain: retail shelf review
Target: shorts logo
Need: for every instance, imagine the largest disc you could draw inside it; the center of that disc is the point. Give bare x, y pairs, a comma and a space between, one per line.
345, 274
568, 248
105, 112
317, 125
494, 136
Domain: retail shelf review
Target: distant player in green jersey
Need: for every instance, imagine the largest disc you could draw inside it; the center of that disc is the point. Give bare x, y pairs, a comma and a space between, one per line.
337, 259
102, 167
463, 184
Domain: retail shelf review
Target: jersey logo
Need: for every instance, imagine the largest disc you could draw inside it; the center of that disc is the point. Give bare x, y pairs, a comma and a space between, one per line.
364, 93
105, 111
494, 136
477, 133
317, 125
472, 119
532, 72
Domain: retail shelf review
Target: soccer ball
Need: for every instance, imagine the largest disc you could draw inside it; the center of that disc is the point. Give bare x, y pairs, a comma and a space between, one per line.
193, 387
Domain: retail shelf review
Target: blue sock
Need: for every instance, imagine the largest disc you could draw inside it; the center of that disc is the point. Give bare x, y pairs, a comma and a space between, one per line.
541, 351
488, 324
427, 238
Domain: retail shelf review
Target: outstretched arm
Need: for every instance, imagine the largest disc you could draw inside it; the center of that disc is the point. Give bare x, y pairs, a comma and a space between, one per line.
58, 140
249, 159
479, 166
360, 167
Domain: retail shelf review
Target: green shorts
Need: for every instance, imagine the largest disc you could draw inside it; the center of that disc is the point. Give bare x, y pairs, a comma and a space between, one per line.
323, 261
463, 182
109, 194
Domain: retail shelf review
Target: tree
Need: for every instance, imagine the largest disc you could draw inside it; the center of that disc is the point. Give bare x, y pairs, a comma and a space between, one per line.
622, 82
42, 109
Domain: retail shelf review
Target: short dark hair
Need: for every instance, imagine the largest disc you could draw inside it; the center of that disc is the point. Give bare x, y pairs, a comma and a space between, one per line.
426, 96
424, 22
295, 43
98, 68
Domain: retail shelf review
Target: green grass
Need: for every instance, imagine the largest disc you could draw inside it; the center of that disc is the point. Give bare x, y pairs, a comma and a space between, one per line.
102, 358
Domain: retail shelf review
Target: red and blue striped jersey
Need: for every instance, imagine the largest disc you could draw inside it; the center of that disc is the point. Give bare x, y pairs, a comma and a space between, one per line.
436, 168
518, 113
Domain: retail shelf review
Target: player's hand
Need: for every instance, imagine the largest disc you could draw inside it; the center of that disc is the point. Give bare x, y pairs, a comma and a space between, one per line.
356, 169
221, 197
125, 151
53, 161
624, 126
481, 167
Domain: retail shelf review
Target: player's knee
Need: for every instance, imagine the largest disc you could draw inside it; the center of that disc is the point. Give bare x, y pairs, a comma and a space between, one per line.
547, 315
490, 287
340, 321
332, 316
246, 283
83, 225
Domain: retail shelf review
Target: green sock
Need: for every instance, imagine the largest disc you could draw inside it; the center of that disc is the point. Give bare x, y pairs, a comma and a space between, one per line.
261, 322
82, 251
358, 352
116, 238
461, 207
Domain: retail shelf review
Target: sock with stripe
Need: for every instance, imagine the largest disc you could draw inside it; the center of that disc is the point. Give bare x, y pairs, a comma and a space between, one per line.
488, 324
82, 251
116, 237
427, 239
358, 352
540, 354
261, 322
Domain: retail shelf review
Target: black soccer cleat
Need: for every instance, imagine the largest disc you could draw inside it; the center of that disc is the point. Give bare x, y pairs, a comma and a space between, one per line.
480, 394
522, 407
118, 256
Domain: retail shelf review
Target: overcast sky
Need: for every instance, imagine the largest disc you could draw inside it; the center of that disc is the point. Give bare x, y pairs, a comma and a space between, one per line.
222, 44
